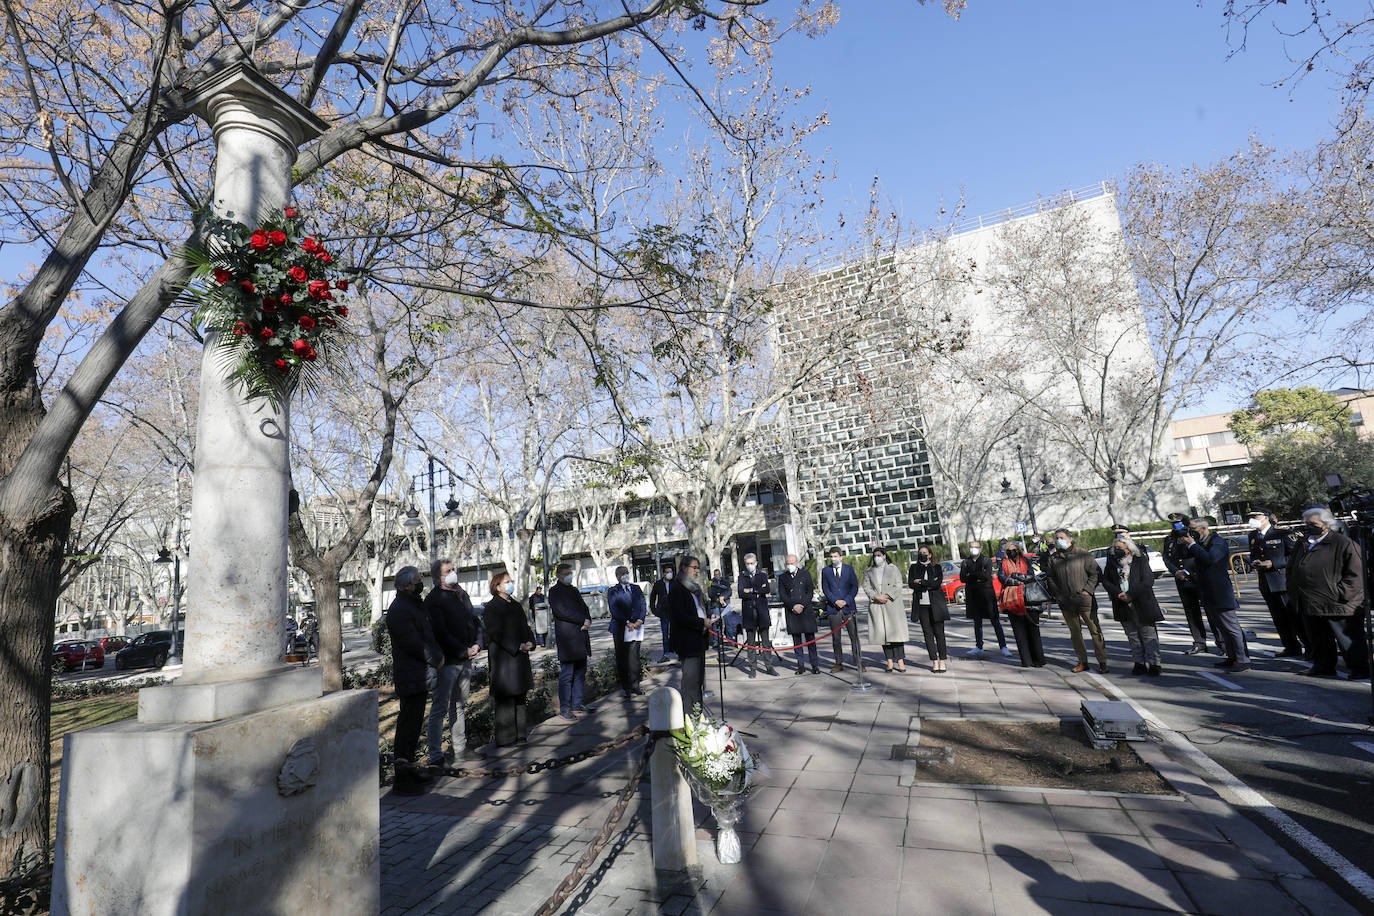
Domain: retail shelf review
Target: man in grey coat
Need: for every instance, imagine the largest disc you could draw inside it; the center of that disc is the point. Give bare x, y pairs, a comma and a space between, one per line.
1326, 581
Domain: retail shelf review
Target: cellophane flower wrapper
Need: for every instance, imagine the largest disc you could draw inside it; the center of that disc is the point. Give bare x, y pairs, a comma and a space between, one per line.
722, 773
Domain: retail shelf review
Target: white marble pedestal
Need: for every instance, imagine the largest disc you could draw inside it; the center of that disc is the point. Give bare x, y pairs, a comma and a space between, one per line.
222, 817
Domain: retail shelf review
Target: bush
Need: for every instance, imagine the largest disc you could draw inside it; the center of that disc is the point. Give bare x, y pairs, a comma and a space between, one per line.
80, 690
381, 638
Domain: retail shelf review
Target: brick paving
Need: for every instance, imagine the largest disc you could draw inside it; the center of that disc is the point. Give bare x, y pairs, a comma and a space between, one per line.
840, 827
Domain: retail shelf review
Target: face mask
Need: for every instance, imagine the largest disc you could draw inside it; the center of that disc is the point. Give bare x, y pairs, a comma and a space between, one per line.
667, 574
750, 566
1063, 543
566, 578
510, 588
879, 561
974, 551
451, 579
1257, 523
1013, 551
923, 559
1119, 551
791, 567
836, 561
625, 579
1313, 528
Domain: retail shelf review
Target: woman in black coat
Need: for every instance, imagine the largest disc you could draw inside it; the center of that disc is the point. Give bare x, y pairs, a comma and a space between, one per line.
509, 642
926, 579
1130, 582
797, 590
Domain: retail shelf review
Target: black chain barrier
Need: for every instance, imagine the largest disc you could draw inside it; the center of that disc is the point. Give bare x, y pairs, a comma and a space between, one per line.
552, 763
578, 874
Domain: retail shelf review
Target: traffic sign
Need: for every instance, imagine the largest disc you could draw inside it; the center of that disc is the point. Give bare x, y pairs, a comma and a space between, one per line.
1020, 527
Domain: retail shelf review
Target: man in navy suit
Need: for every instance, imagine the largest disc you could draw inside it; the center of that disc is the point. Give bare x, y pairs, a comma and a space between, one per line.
753, 595
628, 610
840, 587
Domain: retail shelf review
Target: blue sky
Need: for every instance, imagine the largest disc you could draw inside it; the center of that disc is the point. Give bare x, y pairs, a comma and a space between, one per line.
1022, 98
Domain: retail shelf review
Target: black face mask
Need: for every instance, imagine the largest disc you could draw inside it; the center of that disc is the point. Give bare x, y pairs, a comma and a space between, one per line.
923, 559
1313, 529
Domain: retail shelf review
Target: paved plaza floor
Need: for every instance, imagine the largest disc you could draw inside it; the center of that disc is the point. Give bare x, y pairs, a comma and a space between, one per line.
841, 828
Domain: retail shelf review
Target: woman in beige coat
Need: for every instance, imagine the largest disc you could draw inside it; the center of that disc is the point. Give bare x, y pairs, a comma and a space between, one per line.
886, 609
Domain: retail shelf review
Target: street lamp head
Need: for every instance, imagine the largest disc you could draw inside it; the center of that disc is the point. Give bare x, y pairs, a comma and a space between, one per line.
163, 555
1045, 481
412, 518
1006, 487
451, 509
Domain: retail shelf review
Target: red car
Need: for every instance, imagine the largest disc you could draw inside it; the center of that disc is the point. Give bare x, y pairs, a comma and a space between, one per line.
77, 653
954, 585
112, 644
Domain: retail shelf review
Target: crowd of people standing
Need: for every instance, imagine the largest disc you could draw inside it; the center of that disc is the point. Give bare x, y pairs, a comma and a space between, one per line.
1312, 583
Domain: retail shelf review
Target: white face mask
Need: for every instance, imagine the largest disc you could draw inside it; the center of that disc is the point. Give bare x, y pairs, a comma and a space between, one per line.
750, 566
836, 561
667, 574
451, 579
510, 587
879, 561
791, 567
974, 551
1063, 543
566, 578
625, 579
1257, 523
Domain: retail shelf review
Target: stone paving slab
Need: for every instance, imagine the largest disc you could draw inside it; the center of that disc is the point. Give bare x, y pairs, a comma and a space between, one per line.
841, 828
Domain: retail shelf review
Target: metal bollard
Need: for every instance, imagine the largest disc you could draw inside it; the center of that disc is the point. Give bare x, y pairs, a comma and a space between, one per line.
670, 819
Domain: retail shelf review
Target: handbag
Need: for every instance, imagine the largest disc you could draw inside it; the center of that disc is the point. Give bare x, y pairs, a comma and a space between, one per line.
1013, 600
1035, 592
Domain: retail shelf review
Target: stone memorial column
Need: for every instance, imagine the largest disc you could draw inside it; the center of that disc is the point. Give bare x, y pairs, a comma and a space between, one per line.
256, 792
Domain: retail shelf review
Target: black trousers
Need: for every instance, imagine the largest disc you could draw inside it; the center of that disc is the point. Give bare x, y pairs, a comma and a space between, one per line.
409, 720
894, 651
510, 726
933, 632
693, 674
1332, 636
756, 636
1026, 630
1285, 620
1192, 610
627, 662
833, 620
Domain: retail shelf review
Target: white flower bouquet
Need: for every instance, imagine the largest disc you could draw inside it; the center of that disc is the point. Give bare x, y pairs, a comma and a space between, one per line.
721, 772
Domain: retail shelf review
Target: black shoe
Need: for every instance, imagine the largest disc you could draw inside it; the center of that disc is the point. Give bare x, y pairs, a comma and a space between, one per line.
583, 707
750, 672
1103, 669
1289, 653
1153, 671
815, 669
1225, 663
1138, 668
1313, 672
771, 670
801, 670
1236, 669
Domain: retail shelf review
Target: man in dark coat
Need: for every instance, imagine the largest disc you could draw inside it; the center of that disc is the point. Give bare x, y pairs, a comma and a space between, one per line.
414, 653
1072, 575
840, 586
1218, 592
753, 599
1269, 550
980, 599
1326, 582
1183, 568
657, 596
628, 610
571, 623
454, 622
692, 620
798, 593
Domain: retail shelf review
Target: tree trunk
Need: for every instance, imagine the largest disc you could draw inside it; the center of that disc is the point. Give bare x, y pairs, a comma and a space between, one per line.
326, 588
31, 560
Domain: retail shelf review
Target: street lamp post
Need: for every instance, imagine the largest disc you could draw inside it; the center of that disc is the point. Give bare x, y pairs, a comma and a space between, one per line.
451, 511
174, 557
1025, 481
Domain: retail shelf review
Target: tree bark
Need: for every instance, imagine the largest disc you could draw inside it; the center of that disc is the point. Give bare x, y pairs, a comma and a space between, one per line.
326, 588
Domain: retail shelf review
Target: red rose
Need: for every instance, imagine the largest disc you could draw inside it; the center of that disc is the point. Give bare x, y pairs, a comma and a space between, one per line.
328, 322
299, 347
309, 244
269, 305
306, 322
240, 329
277, 237
325, 257
341, 284
290, 212
310, 354
266, 334
297, 273
280, 364
318, 288
247, 287
222, 276
341, 311
258, 241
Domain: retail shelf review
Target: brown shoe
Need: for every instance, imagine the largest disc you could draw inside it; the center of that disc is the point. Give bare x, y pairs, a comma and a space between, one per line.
1080, 668
837, 667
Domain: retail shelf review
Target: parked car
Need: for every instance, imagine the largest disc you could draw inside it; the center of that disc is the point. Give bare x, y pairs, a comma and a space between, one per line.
149, 650
78, 653
954, 585
112, 644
